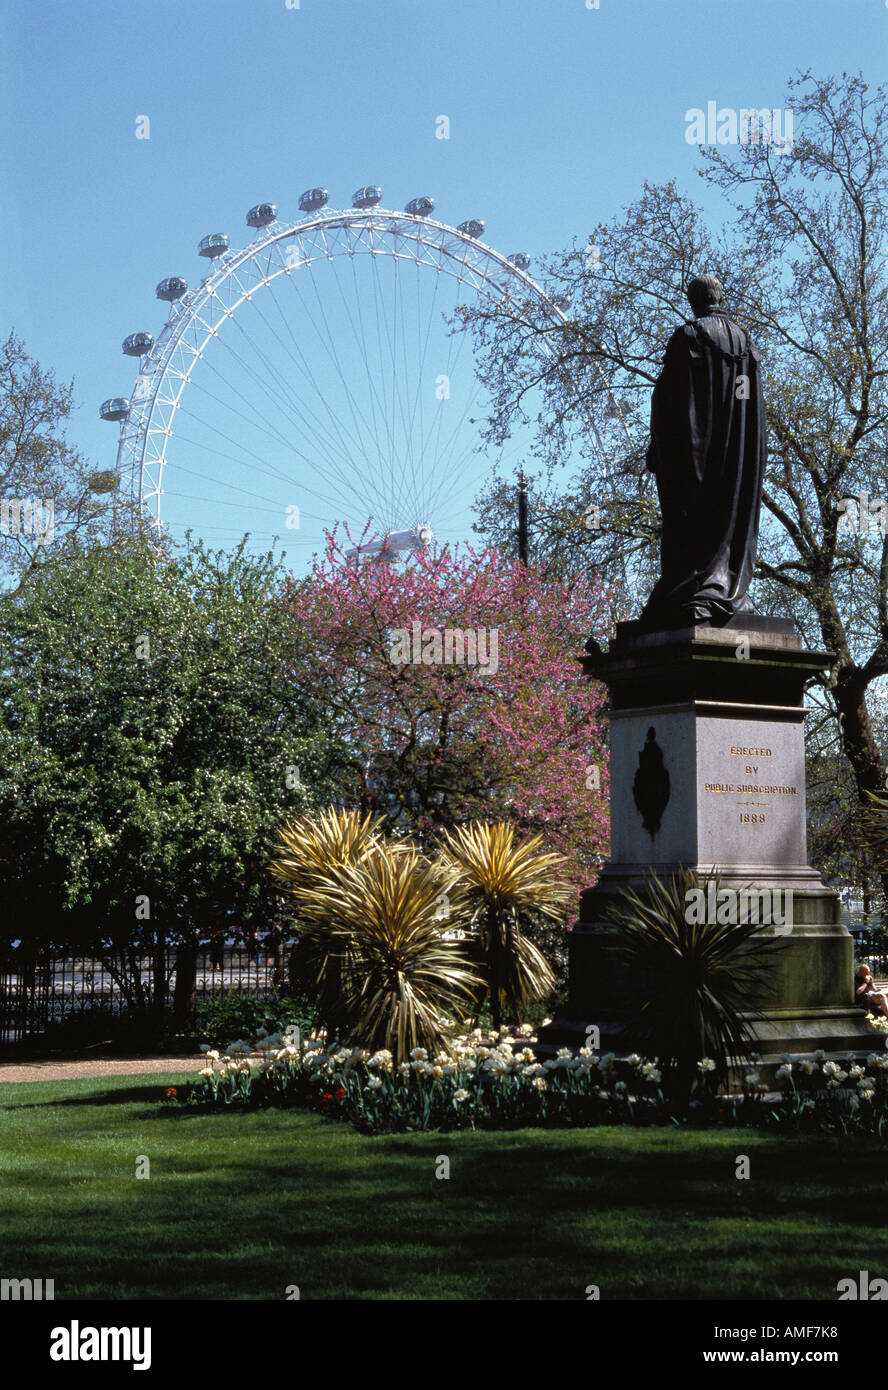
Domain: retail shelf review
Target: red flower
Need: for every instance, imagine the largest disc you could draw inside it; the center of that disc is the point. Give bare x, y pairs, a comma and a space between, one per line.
171, 1093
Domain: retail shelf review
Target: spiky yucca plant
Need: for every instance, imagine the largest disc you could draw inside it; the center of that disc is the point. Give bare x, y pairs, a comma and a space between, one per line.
379, 922
504, 882
691, 982
310, 845
309, 848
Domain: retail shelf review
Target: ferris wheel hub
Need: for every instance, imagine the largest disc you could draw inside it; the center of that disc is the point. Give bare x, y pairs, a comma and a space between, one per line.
418, 537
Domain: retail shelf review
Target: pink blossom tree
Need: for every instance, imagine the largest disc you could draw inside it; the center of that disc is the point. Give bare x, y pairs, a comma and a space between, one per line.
453, 685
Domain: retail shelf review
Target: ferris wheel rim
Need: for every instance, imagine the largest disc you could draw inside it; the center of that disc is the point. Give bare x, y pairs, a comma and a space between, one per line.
138, 431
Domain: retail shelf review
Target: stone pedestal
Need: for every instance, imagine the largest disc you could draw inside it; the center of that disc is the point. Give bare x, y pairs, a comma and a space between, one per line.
707, 768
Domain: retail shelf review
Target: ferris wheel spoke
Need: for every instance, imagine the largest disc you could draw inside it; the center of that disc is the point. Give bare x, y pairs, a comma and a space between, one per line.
296, 423
234, 487
308, 418
443, 476
349, 451
373, 487
360, 339
397, 408
258, 461
264, 426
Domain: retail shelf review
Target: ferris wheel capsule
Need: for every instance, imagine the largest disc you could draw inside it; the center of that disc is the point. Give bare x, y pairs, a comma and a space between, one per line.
313, 199
137, 344
216, 244
367, 197
115, 408
520, 260
472, 228
420, 207
262, 215
171, 288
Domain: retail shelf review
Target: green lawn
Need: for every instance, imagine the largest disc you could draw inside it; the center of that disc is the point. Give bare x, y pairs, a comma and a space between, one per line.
241, 1206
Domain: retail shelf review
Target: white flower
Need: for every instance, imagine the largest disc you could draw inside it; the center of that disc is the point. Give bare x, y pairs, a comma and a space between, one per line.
832, 1084
461, 1094
206, 1071
706, 1064
633, 1060
784, 1071
650, 1072
621, 1087
564, 1052
419, 1054
374, 1083
540, 1082
545, 1023
829, 1068
855, 1071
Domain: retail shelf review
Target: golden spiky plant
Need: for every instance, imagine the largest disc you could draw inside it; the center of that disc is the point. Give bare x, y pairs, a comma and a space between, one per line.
310, 848
379, 922
505, 882
311, 845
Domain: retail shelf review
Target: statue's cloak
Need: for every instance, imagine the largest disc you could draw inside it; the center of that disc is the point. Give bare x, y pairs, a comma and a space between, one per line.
707, 450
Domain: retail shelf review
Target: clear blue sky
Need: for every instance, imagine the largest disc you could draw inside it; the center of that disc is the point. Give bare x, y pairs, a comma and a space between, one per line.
558, 113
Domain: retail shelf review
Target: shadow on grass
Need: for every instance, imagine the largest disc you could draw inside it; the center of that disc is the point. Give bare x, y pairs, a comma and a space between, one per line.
258, 1199
122, 1095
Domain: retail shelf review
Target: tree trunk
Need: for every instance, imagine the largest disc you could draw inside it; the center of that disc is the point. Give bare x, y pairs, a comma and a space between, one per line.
186, 981
859, 744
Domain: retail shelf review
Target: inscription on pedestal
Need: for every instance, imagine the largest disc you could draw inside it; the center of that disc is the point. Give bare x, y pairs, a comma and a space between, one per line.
751, 792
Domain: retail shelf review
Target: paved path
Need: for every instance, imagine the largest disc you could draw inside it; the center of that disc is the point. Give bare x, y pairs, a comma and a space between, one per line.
99, 1066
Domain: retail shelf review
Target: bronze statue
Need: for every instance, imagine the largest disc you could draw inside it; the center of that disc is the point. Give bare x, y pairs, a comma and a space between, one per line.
707, 451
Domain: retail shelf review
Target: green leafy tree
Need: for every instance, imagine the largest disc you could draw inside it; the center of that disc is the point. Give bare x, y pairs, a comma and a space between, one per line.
152, 739
51, 498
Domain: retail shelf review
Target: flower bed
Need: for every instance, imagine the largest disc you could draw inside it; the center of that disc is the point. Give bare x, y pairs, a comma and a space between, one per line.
501, 1084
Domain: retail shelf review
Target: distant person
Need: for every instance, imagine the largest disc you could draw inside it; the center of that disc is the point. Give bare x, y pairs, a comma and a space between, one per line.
873, 1000
273, 946
217, 950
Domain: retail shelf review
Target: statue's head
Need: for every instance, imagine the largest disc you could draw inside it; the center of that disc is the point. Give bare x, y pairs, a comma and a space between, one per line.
704, 292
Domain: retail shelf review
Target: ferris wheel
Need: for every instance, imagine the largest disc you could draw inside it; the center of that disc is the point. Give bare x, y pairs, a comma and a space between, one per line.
313, 379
